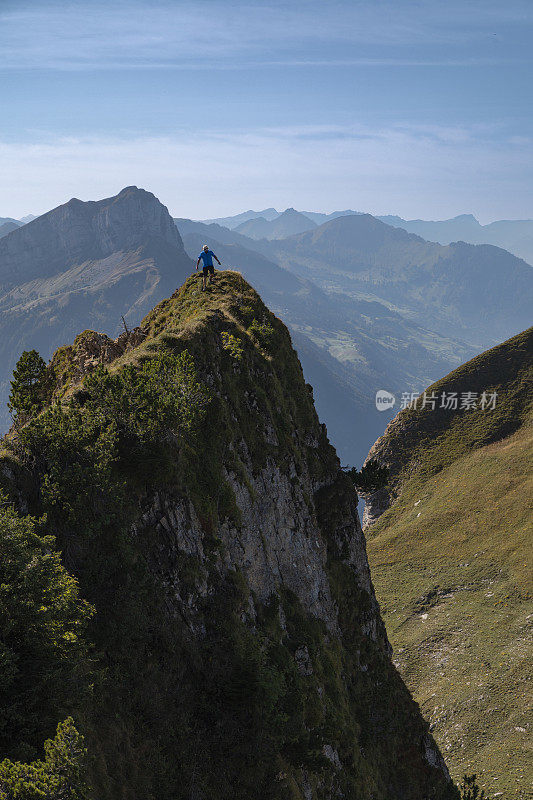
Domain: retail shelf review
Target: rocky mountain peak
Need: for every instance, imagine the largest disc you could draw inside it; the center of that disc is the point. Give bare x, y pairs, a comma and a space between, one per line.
78, 231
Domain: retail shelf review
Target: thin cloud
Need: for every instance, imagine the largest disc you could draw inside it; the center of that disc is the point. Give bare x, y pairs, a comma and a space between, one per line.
437, 171
237, 35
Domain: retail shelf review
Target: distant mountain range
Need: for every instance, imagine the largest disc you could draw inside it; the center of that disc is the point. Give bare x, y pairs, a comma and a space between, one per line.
232, 222
369, 306
271, 214
479, 293
7, 226
285, 224
516, 235
513, 235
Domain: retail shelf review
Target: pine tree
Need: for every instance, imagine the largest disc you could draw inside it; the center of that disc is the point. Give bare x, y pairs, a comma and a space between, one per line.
470, 789
27, 387
371, 477
61, 776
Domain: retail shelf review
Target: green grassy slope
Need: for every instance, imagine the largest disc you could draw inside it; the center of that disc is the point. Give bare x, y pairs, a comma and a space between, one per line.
452, 565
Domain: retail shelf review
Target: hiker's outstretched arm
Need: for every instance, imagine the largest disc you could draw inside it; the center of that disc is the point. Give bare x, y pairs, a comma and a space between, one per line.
218, 262
197, 263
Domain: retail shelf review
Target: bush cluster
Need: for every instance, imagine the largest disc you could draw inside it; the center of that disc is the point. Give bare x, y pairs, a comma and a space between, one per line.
85, 458
61, 776
43, 621
371, 477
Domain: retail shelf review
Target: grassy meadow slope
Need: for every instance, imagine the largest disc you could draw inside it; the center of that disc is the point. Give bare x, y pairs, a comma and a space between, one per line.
451, 563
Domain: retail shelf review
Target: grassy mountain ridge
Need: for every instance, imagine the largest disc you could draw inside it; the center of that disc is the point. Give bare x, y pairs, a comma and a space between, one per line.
451, 561
504, 369
237, 648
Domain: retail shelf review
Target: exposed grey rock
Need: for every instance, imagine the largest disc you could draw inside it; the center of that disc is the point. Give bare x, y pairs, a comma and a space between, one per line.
304, 662
80, 231
332, 755
376, 503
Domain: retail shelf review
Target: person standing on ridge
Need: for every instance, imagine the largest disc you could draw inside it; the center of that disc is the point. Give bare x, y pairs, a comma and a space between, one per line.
207, 257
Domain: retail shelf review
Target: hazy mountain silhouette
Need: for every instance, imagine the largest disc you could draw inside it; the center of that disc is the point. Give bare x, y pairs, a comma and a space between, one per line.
271, 214
8, 226
285, 224
212, 231
514, 235
480, 293
232, 222
321, 218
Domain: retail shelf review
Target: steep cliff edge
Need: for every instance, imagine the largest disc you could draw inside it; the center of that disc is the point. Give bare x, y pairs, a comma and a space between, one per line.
237, 649
450, 553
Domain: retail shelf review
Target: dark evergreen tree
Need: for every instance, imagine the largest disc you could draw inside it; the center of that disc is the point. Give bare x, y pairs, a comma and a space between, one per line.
61, 776
371, 477
470, 789
28, 386
43, 620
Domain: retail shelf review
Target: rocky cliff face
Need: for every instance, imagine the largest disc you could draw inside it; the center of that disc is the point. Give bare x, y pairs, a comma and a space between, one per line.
81, 231
240, 648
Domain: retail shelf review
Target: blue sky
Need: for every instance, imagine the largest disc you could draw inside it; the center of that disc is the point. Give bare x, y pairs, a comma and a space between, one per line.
389, 106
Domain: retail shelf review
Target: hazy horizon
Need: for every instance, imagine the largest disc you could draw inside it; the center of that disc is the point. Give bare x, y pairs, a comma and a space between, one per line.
263, 207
